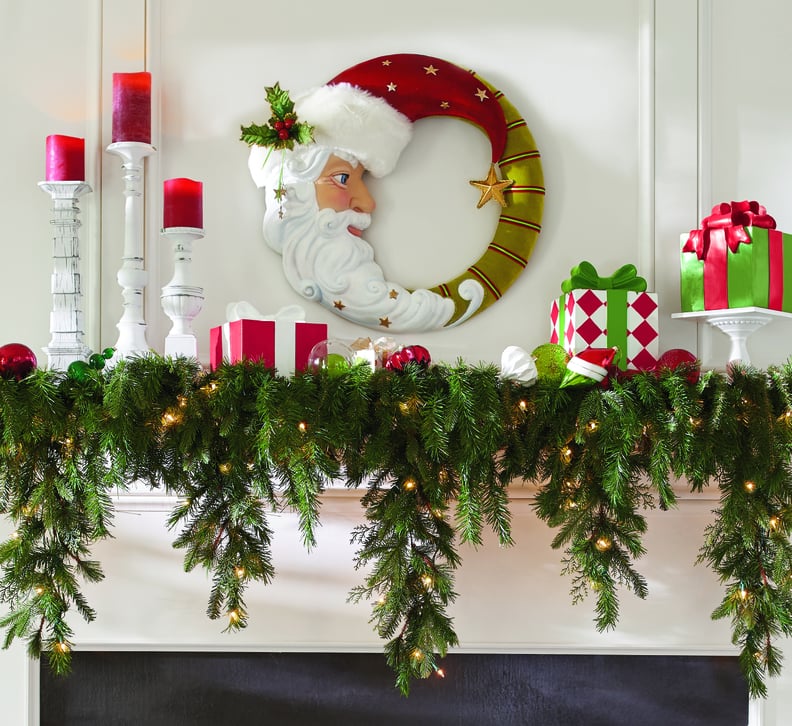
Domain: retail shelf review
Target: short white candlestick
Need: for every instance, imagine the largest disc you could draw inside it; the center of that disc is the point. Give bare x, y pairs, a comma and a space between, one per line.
182, 301
132, 276
66, 319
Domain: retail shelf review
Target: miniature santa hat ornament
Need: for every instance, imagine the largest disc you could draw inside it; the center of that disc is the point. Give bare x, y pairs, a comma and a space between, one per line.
368, 110
589, 366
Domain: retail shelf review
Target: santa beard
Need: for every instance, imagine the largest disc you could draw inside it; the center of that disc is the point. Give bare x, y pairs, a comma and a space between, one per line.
326, 263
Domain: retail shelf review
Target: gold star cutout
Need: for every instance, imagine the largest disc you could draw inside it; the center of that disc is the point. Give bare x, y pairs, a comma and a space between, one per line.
338, 305
391, 87
393, 294
445, 104
384, 322
386, 62
430, 70
481, 93
492, 188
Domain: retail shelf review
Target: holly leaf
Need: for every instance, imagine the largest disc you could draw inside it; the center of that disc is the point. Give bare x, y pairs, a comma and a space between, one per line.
279, 101
258, 135
302, 133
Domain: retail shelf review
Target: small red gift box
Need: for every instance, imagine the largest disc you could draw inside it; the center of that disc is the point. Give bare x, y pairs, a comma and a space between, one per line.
281, 344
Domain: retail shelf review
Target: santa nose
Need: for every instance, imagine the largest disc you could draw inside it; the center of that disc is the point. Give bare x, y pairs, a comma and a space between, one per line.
361, 199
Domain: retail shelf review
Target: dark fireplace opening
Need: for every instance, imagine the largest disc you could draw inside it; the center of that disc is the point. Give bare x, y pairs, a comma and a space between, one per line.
115, 688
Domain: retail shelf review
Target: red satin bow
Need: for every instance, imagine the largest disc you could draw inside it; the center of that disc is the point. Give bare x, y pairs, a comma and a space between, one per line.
732, 219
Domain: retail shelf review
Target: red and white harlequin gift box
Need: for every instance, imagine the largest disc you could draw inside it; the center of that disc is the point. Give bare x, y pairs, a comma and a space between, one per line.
613, 311
282, 341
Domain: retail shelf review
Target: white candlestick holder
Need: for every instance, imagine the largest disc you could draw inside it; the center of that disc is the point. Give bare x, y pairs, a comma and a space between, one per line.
66, 319
132, 276
181, 300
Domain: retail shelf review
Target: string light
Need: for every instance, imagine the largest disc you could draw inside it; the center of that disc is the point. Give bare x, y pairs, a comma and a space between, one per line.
380, 601
62, 647
39, 590
603, 543
440, 672
743, 592
14, 535
566, 454
523, 405
774, 522
182, 401
225, 467
409, 485
209, 388
417, 654
750, 486
170, 417
302, 427
239, 572
233, 616
427, 581
592, 426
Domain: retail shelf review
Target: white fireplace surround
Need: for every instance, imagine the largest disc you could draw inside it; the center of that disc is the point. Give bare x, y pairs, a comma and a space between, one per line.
646, 113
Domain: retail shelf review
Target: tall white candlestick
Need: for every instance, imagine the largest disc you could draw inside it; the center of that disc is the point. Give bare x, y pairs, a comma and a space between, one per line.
132, 277
66, 319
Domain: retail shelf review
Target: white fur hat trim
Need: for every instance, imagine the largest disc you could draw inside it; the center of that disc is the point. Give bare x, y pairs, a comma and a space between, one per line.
355, 122
586, 368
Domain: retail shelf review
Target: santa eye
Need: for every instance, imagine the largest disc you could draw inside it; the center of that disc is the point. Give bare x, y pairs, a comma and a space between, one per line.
342, 178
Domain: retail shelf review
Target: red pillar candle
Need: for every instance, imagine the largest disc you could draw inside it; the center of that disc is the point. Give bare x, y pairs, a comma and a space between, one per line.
65, 158
132, 107
183, 203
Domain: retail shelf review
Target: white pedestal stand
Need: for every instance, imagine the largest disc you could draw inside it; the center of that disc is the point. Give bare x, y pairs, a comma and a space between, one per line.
738, 324
66, 319
132, 276
182, 301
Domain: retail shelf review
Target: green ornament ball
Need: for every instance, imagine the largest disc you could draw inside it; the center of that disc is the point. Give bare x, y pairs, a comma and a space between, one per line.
108, 353
336, 363
97, 360
79, 370
331, 355
551, 360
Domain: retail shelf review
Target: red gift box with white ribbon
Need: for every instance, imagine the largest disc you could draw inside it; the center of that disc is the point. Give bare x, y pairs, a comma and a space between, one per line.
282, 341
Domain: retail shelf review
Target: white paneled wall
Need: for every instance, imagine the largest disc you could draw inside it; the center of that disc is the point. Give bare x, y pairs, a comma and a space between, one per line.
646, 113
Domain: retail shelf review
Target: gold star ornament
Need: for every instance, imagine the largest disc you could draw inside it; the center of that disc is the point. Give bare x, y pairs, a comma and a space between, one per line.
492, 188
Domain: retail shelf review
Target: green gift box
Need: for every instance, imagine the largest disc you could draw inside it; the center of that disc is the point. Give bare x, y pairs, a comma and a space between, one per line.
731, 265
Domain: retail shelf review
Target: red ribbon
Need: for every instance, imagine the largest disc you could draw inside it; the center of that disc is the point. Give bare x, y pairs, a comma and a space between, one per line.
731, 220
724, 230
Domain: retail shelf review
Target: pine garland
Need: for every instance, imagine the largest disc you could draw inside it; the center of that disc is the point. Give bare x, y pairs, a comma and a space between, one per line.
432, 451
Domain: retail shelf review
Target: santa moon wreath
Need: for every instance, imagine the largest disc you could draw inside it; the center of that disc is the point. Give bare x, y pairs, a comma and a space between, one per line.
387, 95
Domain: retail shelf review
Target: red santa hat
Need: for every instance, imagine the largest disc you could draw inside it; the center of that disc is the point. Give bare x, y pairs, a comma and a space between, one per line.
367, 111
593, 362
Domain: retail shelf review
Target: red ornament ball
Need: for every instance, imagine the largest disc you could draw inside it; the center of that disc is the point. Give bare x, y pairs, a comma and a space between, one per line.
409, 354
682, 359
16, 361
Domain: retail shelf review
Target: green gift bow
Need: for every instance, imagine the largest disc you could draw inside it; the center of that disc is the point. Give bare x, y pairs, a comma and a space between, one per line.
584, 276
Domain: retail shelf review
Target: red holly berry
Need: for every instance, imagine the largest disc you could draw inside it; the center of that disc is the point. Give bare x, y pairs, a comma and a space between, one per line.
283, 134
288, 122
278, 125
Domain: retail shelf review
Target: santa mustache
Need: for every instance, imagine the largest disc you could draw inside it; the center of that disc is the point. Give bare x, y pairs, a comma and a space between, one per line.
330, 222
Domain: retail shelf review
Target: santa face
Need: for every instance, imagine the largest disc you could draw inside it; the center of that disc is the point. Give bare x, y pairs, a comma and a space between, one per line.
341, 186
325, 258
